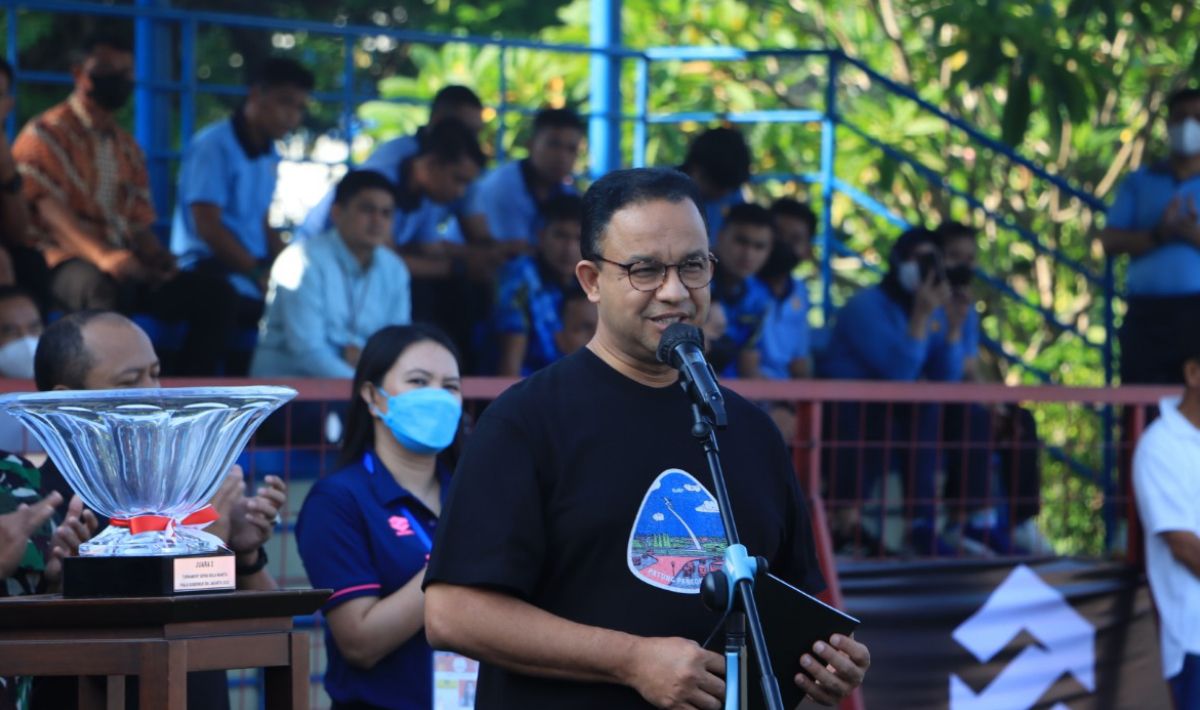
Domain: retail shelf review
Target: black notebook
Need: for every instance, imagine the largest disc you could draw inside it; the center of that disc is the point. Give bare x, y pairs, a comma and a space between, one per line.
792, 622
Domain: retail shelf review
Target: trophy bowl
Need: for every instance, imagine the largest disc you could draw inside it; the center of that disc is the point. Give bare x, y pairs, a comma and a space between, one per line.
148, 459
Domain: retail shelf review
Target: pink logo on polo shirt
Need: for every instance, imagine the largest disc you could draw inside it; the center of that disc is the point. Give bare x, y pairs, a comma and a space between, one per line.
401, 525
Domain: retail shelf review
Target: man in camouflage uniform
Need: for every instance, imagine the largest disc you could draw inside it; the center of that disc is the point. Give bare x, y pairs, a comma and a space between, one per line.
26, 529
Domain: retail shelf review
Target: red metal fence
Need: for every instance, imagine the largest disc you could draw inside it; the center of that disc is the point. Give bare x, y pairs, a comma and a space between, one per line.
892, 470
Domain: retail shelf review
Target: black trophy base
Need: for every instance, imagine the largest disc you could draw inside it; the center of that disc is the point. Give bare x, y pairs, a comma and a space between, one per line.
149, 576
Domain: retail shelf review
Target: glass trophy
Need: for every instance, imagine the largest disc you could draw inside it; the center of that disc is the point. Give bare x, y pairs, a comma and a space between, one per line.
150, 460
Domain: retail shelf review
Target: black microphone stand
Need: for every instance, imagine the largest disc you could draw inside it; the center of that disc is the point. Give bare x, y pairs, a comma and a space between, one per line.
739, 570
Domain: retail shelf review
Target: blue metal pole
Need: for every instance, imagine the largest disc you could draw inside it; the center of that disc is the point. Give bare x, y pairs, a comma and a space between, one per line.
187, 97
152, 109
828, 150
348, 43
10, 125
641, 109
502, 107
604, 128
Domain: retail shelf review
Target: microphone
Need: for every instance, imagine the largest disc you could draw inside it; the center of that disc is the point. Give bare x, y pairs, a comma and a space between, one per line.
682, 347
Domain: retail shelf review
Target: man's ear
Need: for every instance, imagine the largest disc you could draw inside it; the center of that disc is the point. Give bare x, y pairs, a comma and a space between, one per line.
588, 274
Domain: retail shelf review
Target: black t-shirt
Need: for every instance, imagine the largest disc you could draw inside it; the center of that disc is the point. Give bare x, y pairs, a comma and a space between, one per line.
584, 493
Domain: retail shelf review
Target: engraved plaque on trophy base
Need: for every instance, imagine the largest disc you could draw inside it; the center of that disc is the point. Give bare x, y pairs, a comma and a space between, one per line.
149, 575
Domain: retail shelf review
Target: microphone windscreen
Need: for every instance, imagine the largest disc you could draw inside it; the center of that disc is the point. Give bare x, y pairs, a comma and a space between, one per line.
675, 334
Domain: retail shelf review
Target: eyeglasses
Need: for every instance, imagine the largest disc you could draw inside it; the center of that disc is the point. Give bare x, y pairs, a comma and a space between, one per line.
694, 272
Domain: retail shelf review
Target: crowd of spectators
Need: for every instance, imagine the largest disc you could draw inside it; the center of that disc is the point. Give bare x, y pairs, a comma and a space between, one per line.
423, 231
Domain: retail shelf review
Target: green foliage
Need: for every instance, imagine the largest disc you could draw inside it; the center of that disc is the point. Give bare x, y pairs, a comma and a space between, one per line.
1074, 85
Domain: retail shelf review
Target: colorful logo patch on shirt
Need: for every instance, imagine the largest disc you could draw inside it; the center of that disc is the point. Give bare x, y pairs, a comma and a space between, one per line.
677, 536
401, 525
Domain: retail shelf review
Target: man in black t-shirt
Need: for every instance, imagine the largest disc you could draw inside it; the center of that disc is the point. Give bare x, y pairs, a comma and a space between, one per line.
581, 518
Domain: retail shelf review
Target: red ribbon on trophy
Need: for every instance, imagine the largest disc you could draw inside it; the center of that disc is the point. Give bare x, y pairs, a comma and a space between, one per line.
148, 523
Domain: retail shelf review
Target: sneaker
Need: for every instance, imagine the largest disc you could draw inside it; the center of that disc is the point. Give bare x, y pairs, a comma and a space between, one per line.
1029, 540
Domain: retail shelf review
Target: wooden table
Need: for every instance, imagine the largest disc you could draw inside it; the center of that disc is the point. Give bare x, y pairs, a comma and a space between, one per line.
160, 639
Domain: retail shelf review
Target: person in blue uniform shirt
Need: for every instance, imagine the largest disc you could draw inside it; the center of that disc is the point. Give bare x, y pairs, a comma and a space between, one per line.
718, 161
785, 345
365, 531
743, 245
446, 161
531, 292
455, 102
509, 202
898, 331
1155, 219
226, 184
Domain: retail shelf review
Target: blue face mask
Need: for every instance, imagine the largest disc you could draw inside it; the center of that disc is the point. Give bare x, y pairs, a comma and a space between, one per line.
423, 420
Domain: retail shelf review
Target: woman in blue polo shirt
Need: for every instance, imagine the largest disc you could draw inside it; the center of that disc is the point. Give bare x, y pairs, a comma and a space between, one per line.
365, 531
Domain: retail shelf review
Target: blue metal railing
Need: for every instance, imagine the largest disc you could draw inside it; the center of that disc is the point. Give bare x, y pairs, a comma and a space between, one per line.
606, 116
604, 112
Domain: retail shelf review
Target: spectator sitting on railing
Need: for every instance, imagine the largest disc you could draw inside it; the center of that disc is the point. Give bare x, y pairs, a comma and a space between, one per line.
226, 184
447, 160
86, 180
366, 531
784, 346
105, 350
1155, 219
718, 161
991, 454
1166, 479
451, 102
531, 292
451, 279
509, 203
742, 248
328, 294
899, 331
20, 262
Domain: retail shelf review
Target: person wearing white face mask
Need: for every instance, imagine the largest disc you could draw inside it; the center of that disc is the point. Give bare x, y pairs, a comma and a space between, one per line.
1155, 219
901, 331
366, 531
20, 327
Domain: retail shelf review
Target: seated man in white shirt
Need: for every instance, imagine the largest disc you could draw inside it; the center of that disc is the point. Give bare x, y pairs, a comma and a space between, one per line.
1166, 478
329, 293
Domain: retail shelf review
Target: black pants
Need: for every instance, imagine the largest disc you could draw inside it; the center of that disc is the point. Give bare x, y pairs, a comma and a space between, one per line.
207, 304
973, 437
247, 312
1155, 338
29, 267
458, 306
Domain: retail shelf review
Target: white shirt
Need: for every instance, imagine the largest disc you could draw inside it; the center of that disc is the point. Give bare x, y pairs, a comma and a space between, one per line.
1166, 479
